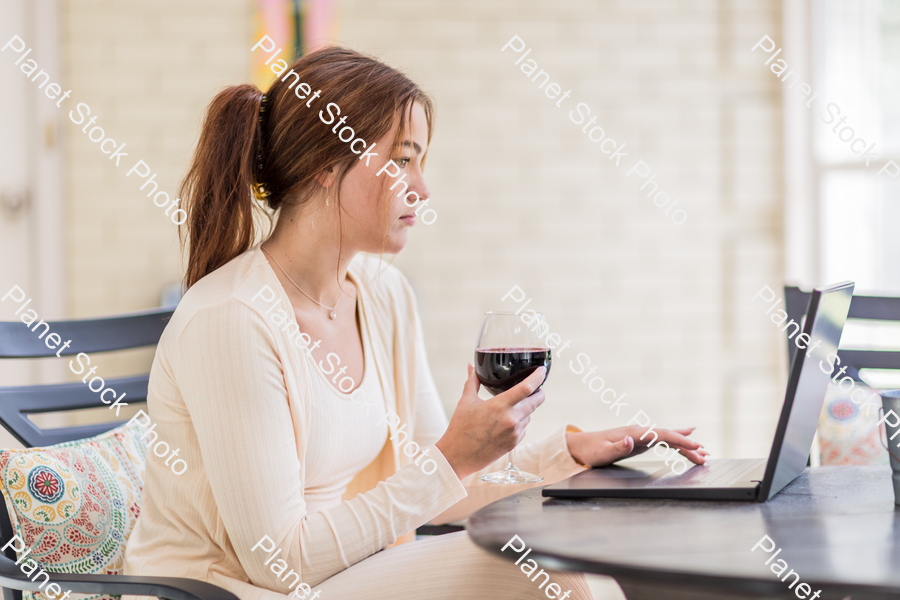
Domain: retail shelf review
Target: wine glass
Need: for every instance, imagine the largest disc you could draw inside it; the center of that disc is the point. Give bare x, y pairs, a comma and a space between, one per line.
509, 348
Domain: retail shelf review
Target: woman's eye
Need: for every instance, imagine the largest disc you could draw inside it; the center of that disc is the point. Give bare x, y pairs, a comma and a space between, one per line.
403, 161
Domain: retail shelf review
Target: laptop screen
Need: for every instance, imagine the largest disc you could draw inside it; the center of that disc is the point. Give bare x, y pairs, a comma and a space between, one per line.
807, 384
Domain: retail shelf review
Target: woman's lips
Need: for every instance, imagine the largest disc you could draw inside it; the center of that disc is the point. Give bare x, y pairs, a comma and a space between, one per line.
409, 219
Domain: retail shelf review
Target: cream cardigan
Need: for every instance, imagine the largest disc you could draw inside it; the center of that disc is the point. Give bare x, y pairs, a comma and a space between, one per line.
231, 391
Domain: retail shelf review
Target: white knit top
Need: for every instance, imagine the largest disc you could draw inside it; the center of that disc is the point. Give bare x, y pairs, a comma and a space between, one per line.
270, 444
343, 436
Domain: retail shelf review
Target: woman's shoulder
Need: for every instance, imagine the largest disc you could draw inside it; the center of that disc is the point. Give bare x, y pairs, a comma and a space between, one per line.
230, 289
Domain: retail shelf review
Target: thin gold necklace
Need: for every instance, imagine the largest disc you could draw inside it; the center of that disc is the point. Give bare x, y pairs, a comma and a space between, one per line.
332, 314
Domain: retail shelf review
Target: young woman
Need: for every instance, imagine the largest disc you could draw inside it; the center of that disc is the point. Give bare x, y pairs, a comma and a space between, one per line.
289, 478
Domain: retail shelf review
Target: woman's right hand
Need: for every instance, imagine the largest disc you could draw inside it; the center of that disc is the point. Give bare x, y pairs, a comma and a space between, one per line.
481, 431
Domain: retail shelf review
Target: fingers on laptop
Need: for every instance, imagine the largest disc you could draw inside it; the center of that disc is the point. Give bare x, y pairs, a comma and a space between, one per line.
695, 455
681, 439
672, 437
692, 455
690, 449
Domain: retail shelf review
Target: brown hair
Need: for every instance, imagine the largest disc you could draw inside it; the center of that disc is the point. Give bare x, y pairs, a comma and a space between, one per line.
295, 145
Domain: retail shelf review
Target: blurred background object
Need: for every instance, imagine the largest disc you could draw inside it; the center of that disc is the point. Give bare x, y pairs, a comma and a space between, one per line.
296, 26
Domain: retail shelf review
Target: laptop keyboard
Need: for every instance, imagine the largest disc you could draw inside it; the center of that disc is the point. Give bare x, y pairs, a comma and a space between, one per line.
721, 473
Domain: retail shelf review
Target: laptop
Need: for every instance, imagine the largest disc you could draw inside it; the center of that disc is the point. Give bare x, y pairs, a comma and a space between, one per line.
740, 479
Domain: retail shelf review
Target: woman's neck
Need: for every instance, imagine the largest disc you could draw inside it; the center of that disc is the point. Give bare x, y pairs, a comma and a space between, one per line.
305, 246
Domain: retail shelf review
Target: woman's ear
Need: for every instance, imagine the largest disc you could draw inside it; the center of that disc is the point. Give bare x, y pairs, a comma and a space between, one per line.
325, 177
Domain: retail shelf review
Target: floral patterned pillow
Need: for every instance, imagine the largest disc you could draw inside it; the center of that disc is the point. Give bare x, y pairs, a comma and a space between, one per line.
75, 504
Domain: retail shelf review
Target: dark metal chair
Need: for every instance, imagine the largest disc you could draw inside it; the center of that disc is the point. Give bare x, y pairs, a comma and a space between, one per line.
872, 308
134, 330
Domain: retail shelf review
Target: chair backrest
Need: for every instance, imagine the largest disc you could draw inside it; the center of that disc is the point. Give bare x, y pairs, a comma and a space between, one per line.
873, 308
17, 340
122, 332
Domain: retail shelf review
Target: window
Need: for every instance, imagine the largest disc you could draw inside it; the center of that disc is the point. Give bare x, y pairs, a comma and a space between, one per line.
856, 72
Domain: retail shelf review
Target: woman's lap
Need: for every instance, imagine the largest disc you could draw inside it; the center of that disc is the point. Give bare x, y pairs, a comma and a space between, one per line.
444, 567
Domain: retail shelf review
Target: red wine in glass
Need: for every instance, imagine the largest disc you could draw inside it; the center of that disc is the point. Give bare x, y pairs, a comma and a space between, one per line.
509, 348
499, 369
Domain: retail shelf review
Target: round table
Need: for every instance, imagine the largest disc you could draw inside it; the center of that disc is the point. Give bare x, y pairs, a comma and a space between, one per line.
837, 528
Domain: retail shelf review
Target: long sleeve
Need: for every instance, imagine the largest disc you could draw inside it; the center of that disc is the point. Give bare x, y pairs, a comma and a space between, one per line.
431, 420
233, 384
548, 458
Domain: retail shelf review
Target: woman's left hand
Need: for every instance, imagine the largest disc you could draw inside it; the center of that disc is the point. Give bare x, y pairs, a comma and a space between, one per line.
600, 448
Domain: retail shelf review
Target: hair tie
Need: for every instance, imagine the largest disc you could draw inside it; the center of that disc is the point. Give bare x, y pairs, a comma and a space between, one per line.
261, 192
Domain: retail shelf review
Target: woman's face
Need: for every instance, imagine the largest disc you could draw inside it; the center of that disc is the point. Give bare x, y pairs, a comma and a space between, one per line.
375, 218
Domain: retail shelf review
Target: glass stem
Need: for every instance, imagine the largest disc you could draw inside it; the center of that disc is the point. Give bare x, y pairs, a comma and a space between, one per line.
510, 461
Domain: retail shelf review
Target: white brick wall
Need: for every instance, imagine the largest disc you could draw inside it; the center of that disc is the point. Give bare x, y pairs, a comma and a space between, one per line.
147, 69
148, 72
522, 196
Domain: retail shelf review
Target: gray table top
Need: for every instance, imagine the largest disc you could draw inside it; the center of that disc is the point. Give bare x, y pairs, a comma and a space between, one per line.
837, 527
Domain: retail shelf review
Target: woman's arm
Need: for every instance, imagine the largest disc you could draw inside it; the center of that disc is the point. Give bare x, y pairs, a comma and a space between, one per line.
550, 457
561, 455
600, 448
230, 375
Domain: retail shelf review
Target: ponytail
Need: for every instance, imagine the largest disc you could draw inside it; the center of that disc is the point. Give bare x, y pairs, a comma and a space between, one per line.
238, 152
217, 192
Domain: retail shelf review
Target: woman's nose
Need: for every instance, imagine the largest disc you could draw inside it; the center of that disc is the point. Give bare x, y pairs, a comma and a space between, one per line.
420, 186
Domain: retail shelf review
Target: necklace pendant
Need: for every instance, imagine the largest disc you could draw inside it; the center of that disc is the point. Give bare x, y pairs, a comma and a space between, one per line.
333, 315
